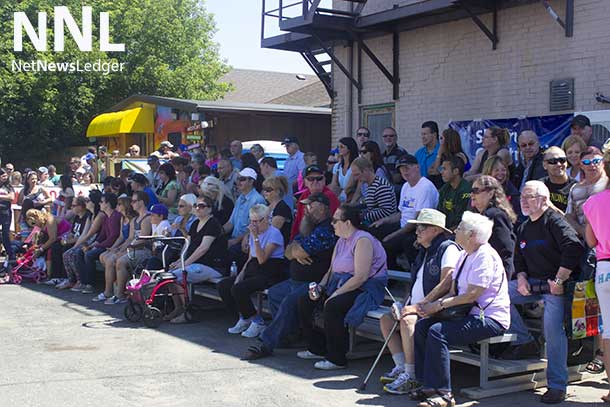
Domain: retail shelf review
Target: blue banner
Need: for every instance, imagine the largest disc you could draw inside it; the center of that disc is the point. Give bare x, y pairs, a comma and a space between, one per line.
551, 131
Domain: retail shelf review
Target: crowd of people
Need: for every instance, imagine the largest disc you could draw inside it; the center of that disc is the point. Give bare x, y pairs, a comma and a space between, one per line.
483, 236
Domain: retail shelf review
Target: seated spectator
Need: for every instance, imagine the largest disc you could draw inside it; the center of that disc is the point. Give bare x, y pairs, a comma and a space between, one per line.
264, 268
450, 145
353, 286
487, 197
236, 147
237, 226
309, 255
248, 161
426, 155
81, 223
87, 254
36, 194
166, 151
197, 164
416, 193
310, 159
380, 199
478, 278
392, 153
118, 187
437, 252
182, 170
223, 205
331, 161
211, 152
314, 184
342, 185
573, 147
228, 175
596, 233
363, 134
153, 173
454, 195
53, 229
496, 167
170, 190
186, 215
495, 142
548, 252
7, 195
258, 152
53, 175
557, 181
370, 150
72, 256
268, 167
134, 151
530, 166
158, 219
139, 182
274, 190
594, 181
118, 249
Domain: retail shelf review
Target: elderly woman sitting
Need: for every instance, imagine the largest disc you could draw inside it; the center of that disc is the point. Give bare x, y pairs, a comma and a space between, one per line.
354, 285
478, 280
265, 267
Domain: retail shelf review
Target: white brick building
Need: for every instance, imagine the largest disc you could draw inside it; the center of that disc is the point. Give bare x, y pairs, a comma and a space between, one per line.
449, 71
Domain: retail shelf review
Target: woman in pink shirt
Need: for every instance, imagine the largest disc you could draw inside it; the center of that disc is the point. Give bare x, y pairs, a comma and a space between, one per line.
597, 234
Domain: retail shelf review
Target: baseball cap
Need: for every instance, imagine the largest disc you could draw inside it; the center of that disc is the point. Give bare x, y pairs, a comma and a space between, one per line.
248, 172
139, 179
406, 160
320, 197
159, 209
43, 170
581, 121
312, 168
166, 143
153, 158
290, 139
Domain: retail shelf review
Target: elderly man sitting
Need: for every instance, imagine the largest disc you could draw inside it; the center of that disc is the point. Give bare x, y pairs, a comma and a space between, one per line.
548, 251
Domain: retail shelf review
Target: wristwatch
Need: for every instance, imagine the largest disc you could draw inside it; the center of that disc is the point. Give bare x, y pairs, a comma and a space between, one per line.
558, 281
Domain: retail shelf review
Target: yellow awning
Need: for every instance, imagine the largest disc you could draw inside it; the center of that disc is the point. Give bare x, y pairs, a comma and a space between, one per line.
138, 120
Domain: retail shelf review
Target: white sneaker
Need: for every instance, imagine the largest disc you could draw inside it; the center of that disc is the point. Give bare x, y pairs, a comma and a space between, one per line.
239, 327
100, 297
53, 281
327, 365
253, 331
305, 354
402, 385
64, 285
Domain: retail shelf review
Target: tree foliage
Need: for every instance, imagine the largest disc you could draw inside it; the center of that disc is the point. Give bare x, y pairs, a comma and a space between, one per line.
169, 51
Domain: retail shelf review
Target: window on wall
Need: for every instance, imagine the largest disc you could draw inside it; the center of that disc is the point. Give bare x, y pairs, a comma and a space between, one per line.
377, 118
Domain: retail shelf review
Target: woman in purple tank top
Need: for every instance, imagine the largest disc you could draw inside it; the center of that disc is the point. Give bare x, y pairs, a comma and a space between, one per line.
357, 275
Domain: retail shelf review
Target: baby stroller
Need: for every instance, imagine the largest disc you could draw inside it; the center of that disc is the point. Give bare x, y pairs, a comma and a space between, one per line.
27, 265
150, 295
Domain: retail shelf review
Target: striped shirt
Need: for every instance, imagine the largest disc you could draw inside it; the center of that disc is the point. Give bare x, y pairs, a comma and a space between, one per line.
380, 200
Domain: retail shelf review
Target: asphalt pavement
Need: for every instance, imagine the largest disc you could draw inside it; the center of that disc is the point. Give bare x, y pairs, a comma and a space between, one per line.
62, 349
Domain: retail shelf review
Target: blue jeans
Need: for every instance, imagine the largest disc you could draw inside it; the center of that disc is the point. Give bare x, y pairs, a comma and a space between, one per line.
432, 340
285, 317
554, 332
86, 263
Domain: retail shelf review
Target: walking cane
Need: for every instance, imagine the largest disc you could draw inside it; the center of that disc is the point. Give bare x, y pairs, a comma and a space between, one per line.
385, 344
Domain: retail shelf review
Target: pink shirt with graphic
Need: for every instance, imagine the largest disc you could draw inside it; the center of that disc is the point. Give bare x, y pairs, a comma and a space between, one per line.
595, 211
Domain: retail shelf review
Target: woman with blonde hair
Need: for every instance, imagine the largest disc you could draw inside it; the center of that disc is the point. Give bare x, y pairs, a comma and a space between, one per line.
223, 205
573, 146
495, 142
52, 229
274, 190
496, 167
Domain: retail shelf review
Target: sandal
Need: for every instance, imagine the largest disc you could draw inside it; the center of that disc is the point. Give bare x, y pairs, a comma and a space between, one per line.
419, 394
595, 366
439, 400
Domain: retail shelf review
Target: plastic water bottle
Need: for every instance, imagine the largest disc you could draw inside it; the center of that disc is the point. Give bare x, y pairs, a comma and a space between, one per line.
233, 269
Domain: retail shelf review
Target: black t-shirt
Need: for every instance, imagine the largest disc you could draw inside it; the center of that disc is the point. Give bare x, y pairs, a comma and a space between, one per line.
223, 214
502, 237
281, 209
559, 192
216, 256
78, 225
5, 206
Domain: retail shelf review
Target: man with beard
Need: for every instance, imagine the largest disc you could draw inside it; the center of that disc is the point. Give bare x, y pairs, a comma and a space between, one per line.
309, 254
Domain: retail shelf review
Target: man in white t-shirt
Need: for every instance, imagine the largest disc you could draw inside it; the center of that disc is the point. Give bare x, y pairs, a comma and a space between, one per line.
416, 194
433, 268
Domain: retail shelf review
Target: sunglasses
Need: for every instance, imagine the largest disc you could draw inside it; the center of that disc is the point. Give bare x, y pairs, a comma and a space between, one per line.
313, 179
594, 161
363, 134
201, 206
530, 144
479, 190
558, 160
268, 189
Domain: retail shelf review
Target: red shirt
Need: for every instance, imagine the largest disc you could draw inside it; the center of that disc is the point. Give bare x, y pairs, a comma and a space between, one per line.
334, 204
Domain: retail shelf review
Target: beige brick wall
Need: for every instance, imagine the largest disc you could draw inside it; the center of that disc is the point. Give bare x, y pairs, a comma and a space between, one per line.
450, 72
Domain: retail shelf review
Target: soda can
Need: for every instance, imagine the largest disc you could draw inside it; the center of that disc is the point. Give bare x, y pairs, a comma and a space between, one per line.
314, 291
397, 310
